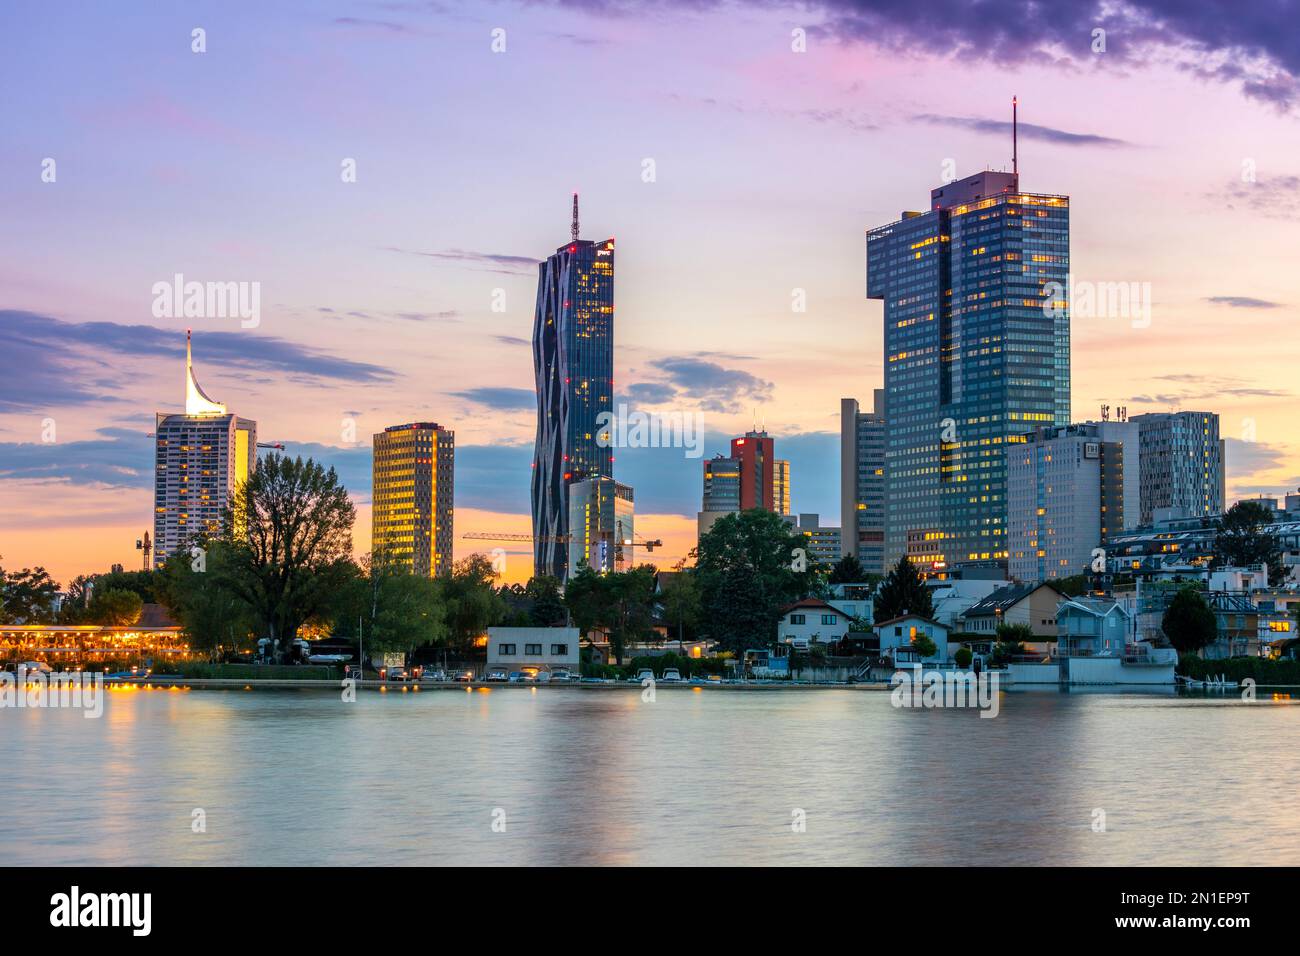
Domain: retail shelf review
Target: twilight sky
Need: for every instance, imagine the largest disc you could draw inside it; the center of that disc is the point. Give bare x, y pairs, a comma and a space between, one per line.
1178, 146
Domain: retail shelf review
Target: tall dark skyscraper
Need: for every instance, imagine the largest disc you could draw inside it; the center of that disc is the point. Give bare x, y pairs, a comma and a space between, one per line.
573, 358
977, 354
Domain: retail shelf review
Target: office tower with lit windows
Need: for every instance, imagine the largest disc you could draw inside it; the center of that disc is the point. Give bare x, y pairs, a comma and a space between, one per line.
600, 525
1182, 464
412, 491
977, 353
781, 487
862, 482
757, 457
721, 491
200, 459
573, 359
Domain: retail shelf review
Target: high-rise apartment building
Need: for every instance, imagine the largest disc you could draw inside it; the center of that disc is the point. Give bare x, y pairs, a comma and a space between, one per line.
1066, 493
976, 353
862, 482
413, 476
573, 358
200, 459
601, 525
1182, 464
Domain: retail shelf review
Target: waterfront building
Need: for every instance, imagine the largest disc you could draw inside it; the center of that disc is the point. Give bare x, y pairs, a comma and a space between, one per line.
862, 482
412, 488
781, 486
812, 620
600, 525
1182, 465
573, 359
976, 352
896, 637
1067, 488
200, 458
533, 650
1033, 605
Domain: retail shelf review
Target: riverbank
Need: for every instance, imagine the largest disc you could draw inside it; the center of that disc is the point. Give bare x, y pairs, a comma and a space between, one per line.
164, 682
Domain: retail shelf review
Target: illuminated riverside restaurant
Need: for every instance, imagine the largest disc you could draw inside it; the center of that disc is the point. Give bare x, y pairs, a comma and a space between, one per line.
155, 638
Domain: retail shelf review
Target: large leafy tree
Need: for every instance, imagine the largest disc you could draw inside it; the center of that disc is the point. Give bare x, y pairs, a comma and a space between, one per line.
749, 565
680, 600
619, 605
848, 570
201, 597
289, 529
116, 607
407, 610
1241, 540
903, 592
472, 601
546, 603
1189, 622
27, 596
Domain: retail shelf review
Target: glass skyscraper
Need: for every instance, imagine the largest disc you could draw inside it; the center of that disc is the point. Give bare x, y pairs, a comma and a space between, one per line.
573, 358
977, 353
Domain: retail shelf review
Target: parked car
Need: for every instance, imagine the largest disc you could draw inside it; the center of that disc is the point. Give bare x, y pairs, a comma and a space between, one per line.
433, 674
521, 677
561, 676
497, 675
464, 677
672, 675
396, 673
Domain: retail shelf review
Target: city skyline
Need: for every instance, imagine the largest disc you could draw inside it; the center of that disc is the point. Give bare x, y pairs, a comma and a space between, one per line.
363, 291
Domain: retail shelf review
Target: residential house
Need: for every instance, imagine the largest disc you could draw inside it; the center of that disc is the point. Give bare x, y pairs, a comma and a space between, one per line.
809, 620
1030, 604
898, 635
1092, 627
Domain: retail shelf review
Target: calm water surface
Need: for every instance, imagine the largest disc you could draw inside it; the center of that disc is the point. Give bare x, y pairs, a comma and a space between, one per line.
597, 776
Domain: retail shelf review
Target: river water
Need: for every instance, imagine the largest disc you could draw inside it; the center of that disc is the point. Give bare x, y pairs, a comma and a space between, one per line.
598, 776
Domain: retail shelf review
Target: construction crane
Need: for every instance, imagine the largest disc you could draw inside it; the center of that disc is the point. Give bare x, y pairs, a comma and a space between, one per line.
649, 545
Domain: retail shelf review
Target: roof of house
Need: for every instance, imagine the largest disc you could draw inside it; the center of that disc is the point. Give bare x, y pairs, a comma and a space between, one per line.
1003, 599
811, 603
1098, 607
912, 617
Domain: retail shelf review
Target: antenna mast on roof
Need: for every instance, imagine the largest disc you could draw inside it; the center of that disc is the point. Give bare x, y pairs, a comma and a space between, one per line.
574, 228
1015, 162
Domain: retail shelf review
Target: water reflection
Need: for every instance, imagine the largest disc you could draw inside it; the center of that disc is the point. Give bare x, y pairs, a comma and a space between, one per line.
599, 777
